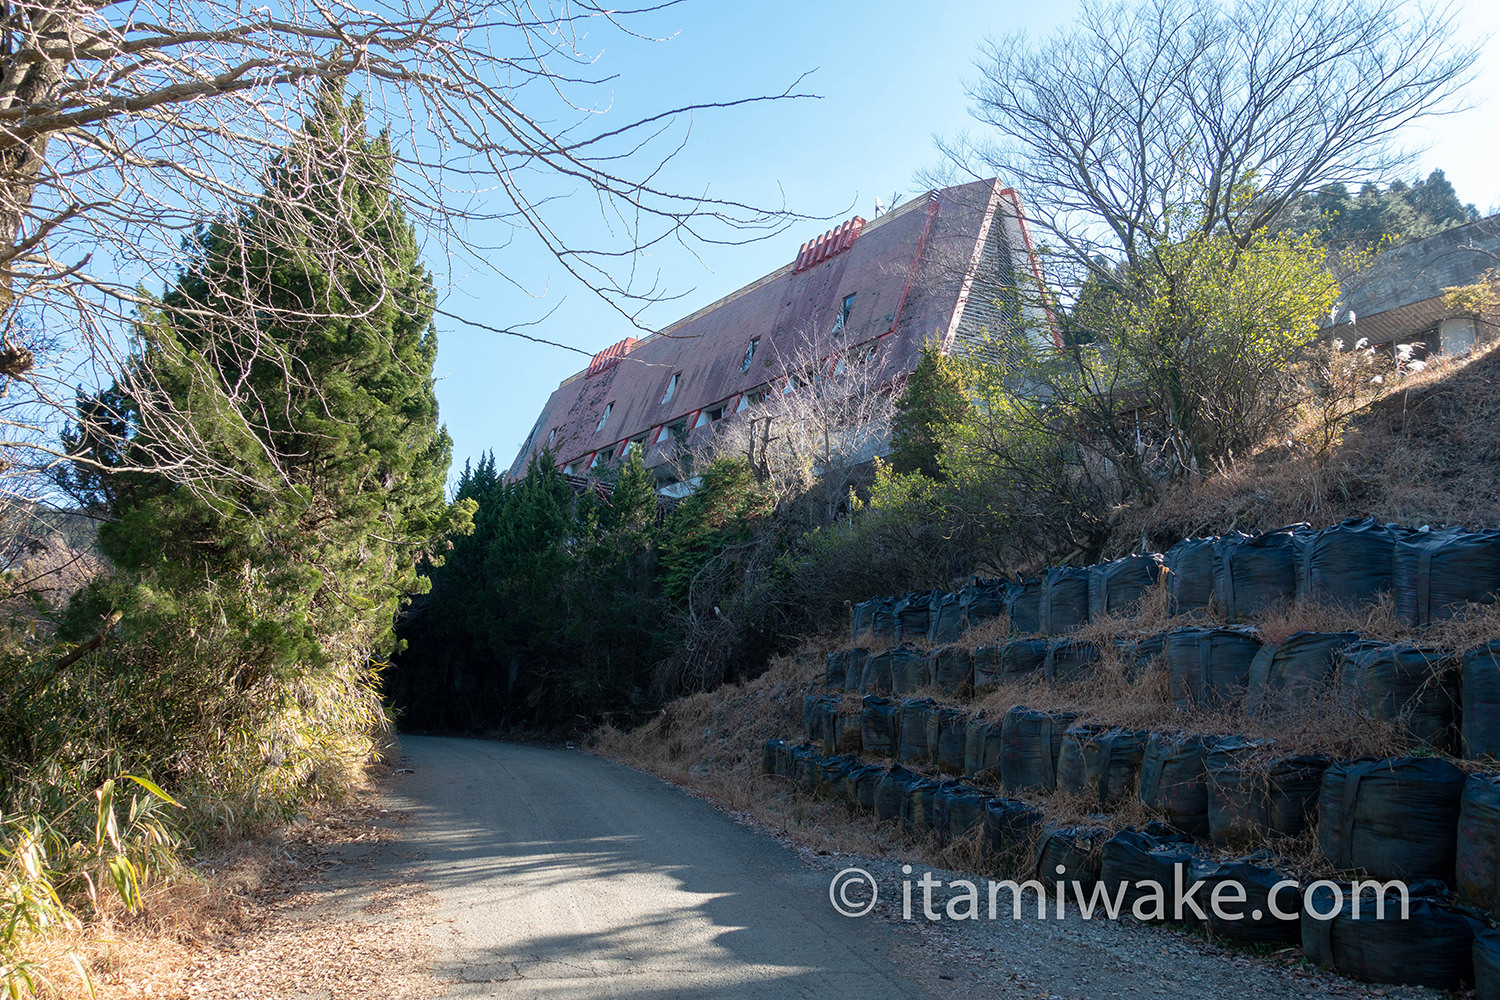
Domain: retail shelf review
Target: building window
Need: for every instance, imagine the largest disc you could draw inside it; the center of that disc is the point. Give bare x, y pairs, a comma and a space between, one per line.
633, 445
709, 416
749, 354
551, 436
750, 399
600, 426
671, 389
671, 430
845, 308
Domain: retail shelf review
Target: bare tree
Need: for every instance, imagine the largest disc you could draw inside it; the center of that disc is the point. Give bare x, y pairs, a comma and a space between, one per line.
825, 414
123, 127
1159, 121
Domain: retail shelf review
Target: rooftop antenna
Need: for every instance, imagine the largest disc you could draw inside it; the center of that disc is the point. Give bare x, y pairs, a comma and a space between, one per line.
879, 207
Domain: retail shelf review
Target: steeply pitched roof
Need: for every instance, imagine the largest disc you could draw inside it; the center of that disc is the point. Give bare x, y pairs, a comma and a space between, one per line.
904, 300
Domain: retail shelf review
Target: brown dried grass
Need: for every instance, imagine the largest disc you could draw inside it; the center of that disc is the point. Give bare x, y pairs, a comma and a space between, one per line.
1423, 452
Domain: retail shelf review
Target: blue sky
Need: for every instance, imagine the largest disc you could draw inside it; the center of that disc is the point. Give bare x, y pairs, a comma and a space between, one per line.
889, 76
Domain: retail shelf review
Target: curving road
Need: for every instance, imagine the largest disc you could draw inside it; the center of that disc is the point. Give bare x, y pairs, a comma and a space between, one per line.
558, 875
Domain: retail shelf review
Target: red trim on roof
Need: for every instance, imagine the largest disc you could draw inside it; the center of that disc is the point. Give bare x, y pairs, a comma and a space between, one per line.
611, 355
831, 243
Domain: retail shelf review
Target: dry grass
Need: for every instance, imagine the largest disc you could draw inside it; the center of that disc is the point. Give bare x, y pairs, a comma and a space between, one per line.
1427, 451
238, 925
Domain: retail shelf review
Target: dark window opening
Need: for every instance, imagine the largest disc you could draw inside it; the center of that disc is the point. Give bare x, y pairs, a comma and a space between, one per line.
749, 354
846, 307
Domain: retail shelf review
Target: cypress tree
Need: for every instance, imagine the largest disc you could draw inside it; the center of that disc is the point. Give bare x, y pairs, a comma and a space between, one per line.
282, 394
934, 401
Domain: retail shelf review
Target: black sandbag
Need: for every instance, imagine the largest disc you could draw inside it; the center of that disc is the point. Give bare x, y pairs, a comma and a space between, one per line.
863, 619
1292, 788
876, 677
1438, 572
947, 619
848, 733
880, 726
1190, 574
959, 810
1412, 685
1023, 605
976, 727
987, 673
984, 743
1487, 965
1481, 701
1065, 599
770, 755
945, 738
1433, 947
1257, 924
952, 669
1100, 763
1072, 776
1021, 658
1071, 854
806, 768
1137, 653
1173, 782
1070, 661
1010, 830
1030, 740
865, 780
912, 746
787, 759
828, 715
1347, 564
1477, 862
1238, 793
982, 600
1119, 585
833, 672
1397, 817
891, 794
1286, 675
918, 807
854, 668
1209, 667
812, 715
1139, 861
909, 670
833, 778
883, 618
1255, 572
914, 614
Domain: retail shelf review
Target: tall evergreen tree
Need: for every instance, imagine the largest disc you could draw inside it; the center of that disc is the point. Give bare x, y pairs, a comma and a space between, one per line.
933, 403
303, 372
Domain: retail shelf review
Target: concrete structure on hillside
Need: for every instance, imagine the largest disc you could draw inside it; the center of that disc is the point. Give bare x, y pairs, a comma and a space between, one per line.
949, 267
1399, 298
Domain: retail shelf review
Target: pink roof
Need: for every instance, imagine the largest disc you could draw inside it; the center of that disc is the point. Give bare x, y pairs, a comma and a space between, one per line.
910, 271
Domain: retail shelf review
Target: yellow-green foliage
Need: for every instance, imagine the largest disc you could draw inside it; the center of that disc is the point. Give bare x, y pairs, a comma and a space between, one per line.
50, 871
1482, 296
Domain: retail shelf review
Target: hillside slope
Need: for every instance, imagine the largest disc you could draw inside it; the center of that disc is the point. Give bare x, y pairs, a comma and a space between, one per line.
1426, 452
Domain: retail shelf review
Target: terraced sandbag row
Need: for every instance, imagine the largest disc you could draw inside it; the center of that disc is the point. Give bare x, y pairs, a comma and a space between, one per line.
1158, 875
1439, 698
1230, 790
1391, 817
1432, 574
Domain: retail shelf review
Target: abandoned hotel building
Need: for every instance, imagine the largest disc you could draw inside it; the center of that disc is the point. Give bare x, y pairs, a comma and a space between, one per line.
945, 268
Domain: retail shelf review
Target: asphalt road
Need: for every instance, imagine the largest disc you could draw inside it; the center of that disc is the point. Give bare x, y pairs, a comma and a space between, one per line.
558, 875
